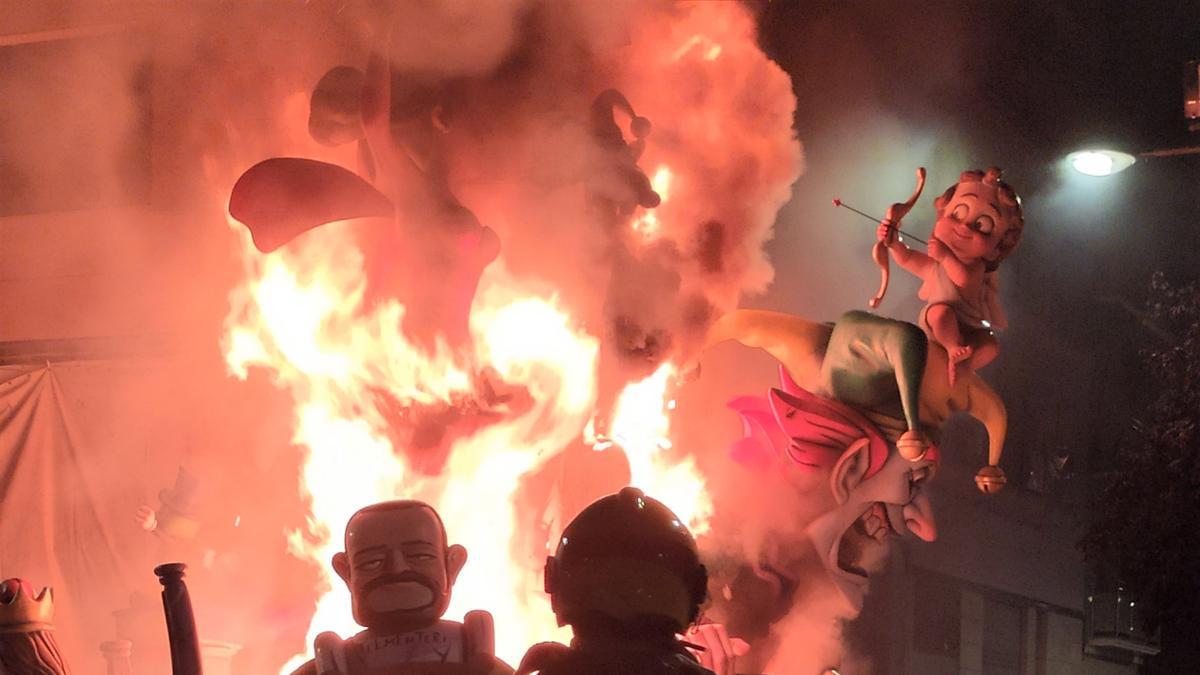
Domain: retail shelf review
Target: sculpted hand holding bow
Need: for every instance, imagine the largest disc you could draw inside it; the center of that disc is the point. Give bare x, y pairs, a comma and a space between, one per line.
888, 230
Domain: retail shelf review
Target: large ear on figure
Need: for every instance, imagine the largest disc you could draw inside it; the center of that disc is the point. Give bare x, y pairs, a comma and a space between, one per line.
851, 469
341, 565
456, 557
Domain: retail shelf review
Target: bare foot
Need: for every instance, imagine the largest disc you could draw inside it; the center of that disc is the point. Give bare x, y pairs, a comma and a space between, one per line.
956, 356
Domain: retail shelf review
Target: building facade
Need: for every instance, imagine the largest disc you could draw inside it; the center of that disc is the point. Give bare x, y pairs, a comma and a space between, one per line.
1003, 590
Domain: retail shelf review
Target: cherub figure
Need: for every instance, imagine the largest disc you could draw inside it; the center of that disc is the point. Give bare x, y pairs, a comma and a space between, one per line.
979, 222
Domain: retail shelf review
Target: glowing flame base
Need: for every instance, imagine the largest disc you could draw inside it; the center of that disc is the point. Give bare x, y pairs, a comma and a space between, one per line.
300, 315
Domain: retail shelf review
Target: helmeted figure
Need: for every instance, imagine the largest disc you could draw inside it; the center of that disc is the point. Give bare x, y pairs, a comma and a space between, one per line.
400, 569
627, 579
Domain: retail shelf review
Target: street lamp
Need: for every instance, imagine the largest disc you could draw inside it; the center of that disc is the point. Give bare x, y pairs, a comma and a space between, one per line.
1100, 162
1104, 162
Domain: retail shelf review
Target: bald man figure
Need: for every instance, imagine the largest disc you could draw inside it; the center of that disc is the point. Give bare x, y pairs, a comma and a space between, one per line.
400, 570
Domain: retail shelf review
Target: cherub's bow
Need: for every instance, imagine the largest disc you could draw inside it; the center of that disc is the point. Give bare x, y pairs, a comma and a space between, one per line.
879, 253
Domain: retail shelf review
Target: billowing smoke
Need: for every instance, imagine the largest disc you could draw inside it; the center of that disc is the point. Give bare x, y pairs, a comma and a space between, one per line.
123, 126
562, 119
630, 158
554, 163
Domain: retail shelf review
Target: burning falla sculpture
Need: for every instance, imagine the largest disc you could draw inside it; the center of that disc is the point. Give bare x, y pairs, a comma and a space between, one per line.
432, 251
633, 343
887, 366
883, 366
862, 401
849, 472
400, 569
851, 430
868, 386
431, 255
402, 123
27, 644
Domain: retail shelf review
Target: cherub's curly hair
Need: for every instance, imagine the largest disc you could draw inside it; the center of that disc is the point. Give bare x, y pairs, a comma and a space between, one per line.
1010, 202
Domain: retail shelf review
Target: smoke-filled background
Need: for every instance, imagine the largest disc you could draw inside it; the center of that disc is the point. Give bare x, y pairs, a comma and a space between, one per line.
124, 125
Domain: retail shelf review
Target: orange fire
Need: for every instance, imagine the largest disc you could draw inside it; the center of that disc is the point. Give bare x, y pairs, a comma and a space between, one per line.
641, 427
648, 224
300, 314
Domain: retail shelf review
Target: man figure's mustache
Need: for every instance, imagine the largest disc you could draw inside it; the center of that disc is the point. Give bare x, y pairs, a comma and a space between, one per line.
403, 577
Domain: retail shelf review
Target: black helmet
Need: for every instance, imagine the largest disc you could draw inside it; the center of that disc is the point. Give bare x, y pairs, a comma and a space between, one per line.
629, 558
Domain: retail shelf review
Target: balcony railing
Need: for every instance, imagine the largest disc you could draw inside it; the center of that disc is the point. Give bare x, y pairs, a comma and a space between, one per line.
1113, 621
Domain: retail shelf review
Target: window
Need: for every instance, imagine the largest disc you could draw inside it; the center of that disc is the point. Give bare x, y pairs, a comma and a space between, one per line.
937, 608
1002, 637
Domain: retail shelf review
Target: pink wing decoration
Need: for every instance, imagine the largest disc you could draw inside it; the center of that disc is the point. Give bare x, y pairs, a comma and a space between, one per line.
762, 438
808, 430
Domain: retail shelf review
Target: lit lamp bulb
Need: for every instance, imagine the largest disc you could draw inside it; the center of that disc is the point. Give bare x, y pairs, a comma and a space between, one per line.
1100, 162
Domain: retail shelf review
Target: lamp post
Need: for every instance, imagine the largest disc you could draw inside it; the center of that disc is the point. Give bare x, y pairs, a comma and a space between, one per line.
1102, 162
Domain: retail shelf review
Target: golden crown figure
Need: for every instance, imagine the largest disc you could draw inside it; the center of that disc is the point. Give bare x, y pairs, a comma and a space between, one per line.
27, 643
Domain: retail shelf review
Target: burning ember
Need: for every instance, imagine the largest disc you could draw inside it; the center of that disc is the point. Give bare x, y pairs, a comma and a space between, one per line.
647, 224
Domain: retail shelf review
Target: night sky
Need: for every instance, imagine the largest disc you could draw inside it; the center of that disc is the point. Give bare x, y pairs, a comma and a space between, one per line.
885, 87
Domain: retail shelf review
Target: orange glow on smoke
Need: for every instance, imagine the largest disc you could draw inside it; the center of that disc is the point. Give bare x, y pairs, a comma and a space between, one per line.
647, 224
641, 427
702, 45
299, 314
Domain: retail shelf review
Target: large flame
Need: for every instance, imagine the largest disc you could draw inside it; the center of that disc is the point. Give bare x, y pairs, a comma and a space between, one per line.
648, 224
641, 426
300, 314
